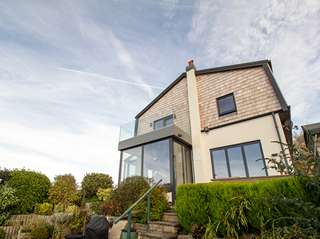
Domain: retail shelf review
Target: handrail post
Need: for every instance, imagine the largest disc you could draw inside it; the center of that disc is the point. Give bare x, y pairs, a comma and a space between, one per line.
148, 209
129, 225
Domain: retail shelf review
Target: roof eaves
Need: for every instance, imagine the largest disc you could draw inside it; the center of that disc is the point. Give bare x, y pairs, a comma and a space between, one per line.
233, 67
275, 86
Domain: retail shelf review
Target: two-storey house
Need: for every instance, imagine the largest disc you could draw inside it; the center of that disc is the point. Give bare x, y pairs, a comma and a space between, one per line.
209, 124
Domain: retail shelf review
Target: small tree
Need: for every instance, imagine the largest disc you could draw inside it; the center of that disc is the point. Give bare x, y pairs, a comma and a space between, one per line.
7, 202
93, 181
63, 190
30, 187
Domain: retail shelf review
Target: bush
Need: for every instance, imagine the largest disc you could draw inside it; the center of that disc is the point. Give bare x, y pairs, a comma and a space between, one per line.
73, 209
229, 209
2, 234
93, 181
40, 232
129, 191
63, 190
8, 201
30, 188
104, 194
44, 209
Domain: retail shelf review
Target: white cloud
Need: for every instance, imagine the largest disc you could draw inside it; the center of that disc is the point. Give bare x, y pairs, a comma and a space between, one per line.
56, 152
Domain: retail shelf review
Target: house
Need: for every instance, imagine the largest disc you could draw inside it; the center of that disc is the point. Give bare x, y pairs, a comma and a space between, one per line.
211, 124
311, 134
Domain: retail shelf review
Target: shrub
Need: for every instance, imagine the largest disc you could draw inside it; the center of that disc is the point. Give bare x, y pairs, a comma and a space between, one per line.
104, 194
8, 201
40, 232
93, 181
78, 222
2, 234
44, 208
63, 190
128, 192
234, 207
30, 187
73, 209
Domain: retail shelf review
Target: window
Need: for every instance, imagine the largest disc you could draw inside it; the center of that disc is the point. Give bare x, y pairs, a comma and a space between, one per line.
164, 122
242, 160
156, 161
131, 162
226, 104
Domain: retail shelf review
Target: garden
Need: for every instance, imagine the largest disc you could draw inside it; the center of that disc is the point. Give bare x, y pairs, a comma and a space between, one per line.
287, 207
31, 207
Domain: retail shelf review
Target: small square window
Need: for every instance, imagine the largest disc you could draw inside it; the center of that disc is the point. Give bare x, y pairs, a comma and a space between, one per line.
226, 104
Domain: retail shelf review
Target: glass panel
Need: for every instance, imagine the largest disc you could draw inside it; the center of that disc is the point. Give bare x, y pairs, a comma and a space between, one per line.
156, 160
158, 124
164, 122
127, 130
254, 159
236, 162
220, 163
168, 121
178, 165
188, 166
226, 104
131, 162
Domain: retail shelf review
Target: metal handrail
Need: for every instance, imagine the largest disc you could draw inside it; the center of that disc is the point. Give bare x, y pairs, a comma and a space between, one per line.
129, 210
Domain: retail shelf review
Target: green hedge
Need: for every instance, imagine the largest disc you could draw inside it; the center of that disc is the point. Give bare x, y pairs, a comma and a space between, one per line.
201, 203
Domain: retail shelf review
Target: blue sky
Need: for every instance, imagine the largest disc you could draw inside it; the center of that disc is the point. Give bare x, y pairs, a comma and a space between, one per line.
72, 71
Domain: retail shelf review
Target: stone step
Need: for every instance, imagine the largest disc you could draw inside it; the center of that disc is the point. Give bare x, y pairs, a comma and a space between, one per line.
170, 217
156, 235
164, 227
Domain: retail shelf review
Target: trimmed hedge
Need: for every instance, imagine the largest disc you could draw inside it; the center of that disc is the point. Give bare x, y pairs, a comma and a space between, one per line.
199, 204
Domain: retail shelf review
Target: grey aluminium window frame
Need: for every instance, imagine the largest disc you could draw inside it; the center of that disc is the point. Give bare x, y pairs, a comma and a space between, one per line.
241, 145
230, 111
171, 187
171, 116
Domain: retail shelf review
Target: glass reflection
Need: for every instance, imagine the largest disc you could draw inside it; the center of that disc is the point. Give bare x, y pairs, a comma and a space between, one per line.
131, 162
156, 160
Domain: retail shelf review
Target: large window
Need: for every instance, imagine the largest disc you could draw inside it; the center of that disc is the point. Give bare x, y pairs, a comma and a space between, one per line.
226, 104
164, 122
131, 162
242, 160
156, 161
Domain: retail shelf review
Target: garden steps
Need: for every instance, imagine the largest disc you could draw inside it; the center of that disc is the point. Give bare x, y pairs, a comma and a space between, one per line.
156, 235
170, 216
167, 228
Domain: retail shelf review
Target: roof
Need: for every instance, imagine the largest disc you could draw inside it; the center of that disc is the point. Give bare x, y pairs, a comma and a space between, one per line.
312, 128
309, 130
266, 64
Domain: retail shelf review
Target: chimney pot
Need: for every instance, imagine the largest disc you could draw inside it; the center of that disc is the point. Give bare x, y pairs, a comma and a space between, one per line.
190, 65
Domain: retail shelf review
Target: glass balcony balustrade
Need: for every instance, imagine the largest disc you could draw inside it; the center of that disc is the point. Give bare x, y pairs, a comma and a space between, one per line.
127, 130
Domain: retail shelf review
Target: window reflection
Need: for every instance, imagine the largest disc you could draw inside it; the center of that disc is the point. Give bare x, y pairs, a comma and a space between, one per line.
254, 160
131, 162
156, 161
231, 161
220, 164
